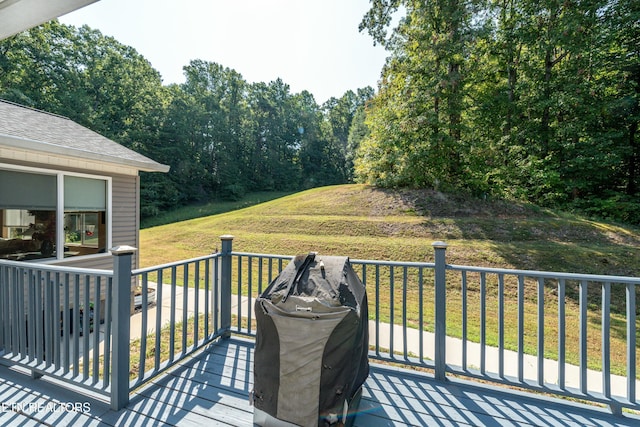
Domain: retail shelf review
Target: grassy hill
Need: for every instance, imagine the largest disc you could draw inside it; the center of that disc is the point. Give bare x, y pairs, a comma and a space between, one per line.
368, 223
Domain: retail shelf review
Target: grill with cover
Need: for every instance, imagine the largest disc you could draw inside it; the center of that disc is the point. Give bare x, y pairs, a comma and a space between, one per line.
311, 344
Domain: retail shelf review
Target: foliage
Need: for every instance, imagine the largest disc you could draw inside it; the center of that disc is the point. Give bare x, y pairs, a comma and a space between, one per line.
533, 100
537, 101
220, 135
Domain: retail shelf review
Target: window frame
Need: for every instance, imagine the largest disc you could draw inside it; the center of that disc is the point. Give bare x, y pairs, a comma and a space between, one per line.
60, 208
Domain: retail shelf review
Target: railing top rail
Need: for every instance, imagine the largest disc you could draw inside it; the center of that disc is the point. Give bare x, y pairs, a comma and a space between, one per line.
257, 255
353, 261
175, 264
548, 274
394, 263
57, 268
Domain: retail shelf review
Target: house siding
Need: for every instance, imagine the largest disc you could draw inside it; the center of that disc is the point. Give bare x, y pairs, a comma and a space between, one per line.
125, 211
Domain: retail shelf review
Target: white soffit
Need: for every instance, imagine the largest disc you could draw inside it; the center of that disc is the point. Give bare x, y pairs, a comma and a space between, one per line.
19, 15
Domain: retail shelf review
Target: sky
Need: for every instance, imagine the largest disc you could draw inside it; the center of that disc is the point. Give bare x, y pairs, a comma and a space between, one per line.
311, 45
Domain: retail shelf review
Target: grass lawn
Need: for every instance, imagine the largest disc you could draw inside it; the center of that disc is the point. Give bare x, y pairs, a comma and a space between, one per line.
367, 223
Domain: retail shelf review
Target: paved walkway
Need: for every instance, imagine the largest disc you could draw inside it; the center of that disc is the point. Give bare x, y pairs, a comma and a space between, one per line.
454, 346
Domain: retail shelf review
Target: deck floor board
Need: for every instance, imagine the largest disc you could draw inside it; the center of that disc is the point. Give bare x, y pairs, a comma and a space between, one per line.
212, 388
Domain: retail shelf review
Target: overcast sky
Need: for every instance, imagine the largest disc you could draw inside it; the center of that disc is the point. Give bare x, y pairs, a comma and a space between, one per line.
311, 45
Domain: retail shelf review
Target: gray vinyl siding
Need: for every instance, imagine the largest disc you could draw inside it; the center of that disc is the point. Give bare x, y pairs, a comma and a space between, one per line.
124, 211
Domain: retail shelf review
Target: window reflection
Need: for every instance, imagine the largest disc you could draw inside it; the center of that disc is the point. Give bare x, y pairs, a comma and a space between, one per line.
27, 234
84, 233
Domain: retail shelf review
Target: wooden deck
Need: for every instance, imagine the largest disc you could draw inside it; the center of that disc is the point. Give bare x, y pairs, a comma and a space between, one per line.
212, 389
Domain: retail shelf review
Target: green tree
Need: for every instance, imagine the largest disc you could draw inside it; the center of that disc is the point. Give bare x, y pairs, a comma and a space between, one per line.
41, 68
219, 96
424, 91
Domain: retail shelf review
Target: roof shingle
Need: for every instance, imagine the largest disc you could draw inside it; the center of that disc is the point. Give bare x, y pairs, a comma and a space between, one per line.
51, 133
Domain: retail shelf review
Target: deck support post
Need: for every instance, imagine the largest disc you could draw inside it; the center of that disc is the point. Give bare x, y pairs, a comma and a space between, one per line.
225, 285
440, 249
121, 324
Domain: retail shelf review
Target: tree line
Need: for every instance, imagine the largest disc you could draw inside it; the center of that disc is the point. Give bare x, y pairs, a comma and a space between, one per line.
520, 99
536, 100
221, 136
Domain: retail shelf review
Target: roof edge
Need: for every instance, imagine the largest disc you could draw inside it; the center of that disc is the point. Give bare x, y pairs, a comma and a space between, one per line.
45, 147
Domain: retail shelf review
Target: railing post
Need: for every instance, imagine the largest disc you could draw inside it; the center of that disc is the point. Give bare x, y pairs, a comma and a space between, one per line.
225, 285
440, 249
121, 323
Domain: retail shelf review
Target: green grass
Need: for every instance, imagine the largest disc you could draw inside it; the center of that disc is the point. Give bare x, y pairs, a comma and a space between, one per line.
211, 208
367, 223
363, 222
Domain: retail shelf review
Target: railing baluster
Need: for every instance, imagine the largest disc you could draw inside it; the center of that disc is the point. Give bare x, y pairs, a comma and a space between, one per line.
239, 296
158, 333
521, 330
540, 301
421, 313
562, 327
31, 316
631, 342
216, 295
86, 327
483, 322
260, 268
143, 325
207, 288
249, 293
22, 331
583, 336
14, 302
391, 310
76, 325
54, 316
4, 309
4, 322
377, 310
39, 317
185, 306
108, 329
172, 314
97, 314
196, 304
405, 285
501, 321
464, 320
66, 320
606, 341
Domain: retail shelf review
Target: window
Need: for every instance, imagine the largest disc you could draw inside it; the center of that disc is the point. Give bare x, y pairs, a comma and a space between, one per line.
31, 202
85, 205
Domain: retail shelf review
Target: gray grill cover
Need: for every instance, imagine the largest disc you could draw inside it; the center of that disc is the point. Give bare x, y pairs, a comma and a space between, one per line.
312, 342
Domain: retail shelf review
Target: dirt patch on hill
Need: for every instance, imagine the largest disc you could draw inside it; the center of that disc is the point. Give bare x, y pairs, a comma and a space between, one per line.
435, 204
459, 216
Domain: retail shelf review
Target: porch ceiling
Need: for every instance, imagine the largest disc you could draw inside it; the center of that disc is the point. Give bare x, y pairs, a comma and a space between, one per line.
20, 15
